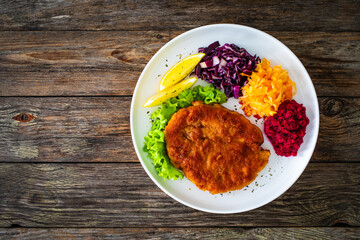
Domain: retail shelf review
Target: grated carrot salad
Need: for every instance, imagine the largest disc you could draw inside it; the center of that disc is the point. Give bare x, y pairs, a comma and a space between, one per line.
266, 90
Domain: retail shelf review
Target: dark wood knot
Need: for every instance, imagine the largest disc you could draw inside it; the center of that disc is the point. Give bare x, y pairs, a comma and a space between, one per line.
23, 117
115, 53
332, 107
118, 55
127, 56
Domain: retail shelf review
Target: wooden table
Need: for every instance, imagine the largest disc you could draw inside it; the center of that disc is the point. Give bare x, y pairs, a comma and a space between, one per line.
67, 164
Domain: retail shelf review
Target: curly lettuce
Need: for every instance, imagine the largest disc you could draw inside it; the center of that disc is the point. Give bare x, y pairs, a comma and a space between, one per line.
155, 140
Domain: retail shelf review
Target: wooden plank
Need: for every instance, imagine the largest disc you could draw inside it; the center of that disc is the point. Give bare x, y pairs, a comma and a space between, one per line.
96, 129
339, 15
109, 63
324, 233
74, 63
339, 132
66, 130
122, 195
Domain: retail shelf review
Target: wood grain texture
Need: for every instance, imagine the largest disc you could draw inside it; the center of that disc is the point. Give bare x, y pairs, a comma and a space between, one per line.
122, 195
67, 71
323, 233
109, 63
338, 15
66, 130
97, 129
74, 63
336, 141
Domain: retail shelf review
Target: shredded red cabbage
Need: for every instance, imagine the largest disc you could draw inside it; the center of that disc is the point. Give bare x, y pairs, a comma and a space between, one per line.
222, 66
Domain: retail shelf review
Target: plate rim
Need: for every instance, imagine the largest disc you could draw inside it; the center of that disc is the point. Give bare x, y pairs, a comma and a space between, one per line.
262, 203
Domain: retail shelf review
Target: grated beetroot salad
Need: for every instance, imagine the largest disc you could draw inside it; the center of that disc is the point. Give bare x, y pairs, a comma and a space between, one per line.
287, 128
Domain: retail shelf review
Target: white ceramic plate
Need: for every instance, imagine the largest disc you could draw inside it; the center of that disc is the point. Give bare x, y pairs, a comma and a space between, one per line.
281, 172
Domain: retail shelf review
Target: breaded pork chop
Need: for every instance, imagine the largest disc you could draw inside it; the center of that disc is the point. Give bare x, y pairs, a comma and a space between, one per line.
217, 149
